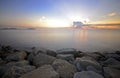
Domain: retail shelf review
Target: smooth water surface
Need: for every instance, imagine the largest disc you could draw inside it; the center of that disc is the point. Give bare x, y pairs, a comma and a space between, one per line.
81, 39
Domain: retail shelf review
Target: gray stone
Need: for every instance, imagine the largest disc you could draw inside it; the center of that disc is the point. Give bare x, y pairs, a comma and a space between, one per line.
2, 62
64, 68
67, 51
67, 57
13, 72
51, 53
111, 72
42, 59
16, 72
95, 55
111, 62
16, 56
45, 71
82, 63
3, 69
113, 55
91, 68
87, 74
19, 63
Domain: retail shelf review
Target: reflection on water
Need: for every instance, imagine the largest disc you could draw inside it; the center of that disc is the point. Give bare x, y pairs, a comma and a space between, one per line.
81, 39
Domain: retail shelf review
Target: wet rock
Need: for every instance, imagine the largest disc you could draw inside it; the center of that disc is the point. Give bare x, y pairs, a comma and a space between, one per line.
111, 72
42, 59
82, 63
65, 69
17, 56
45, 71
87, 74
67, 57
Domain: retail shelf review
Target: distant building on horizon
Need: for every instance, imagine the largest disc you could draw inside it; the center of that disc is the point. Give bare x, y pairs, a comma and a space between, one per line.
77, 24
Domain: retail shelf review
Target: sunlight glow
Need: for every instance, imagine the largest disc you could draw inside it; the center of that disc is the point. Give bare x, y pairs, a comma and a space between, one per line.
56, 23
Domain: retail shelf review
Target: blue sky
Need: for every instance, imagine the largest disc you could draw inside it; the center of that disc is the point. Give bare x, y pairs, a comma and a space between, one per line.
28, 12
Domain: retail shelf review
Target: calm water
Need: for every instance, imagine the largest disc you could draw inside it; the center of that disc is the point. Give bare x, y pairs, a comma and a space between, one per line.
81, 39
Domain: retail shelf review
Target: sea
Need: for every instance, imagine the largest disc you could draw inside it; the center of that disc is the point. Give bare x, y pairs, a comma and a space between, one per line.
83, 39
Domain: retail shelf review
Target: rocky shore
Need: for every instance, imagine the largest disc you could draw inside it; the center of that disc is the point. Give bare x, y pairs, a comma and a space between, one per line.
64, 63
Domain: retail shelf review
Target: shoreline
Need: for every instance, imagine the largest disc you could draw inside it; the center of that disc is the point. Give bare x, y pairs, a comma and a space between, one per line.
63, 63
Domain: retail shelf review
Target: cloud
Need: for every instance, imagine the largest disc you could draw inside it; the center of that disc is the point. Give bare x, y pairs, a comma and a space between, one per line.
112, 14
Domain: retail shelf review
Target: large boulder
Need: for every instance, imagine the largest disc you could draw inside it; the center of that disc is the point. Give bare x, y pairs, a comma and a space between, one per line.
111, 72
45, 71
64, 68
87, 74
16, 72
67, 57
82, 63
17, 56
42, 59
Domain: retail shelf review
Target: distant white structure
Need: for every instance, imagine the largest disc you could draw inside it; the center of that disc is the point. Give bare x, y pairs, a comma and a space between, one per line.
77, 24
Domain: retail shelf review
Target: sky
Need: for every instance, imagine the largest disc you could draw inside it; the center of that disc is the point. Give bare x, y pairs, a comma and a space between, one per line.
61, 13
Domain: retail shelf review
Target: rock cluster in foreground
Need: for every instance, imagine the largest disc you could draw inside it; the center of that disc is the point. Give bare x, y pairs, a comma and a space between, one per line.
64, 63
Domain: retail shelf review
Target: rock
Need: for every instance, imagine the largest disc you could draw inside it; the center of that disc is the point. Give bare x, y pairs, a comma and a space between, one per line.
2, 62
41, 50
28, 68
16, 56
3, 69
110, 62
67, 57
67, 51
82, 63
13, 72
42, 59
117, 52
87, 74
113, 55
30, 57
19, 63
51, 53
16, 72
111, 72
91, 68
97, 56
45, 71
64, 68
